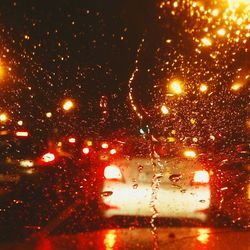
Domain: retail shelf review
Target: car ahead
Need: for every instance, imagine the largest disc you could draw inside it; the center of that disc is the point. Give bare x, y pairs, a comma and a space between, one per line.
140, 183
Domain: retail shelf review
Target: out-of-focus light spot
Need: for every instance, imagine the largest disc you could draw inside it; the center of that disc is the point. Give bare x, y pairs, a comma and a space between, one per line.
85, 151
113, 151
22, 133
203, 236
215, 12
26, 163
173, 131
72, 140
189, 153
176, 87
104, 145
195, 139
89, 143
48, 114
2, 72
236, 86
3, 117
59, 144
68, 105
20, 123
206, 41
26, 37
164, 110
110, 239
175, 4
203, 88
192, 121
171, 139
221, 32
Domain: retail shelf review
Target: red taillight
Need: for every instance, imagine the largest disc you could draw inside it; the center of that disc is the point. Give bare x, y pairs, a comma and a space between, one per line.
201, 177
85, 151
22, 134
112, 172
113, 151
72, 140
48, 158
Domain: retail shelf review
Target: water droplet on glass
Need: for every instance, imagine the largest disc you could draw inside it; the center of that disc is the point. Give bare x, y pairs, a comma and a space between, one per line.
106, 193
175, 177
140, 168
183, 191
135, 186
202, 201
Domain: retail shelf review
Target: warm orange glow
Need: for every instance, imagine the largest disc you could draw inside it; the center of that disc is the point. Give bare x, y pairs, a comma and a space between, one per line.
189, 153
176, 87
3, 117
221, 32
201, 176
112, 172
236, 86
110, 239
203, 236
205, 41
68, 105
203, 88
89, 143
2, 72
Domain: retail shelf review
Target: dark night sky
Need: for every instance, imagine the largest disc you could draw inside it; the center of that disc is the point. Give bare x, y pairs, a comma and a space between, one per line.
78, 49
87, 49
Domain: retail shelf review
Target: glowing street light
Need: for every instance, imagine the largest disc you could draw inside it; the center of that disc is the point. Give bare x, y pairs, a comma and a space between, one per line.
205, 41
176, 87
189, 153
68, 105
203, 88
1, 72
3, 117
236, 86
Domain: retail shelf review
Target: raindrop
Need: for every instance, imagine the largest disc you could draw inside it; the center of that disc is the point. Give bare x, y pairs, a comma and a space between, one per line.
135, 186
140, 168
175, 177
106, 193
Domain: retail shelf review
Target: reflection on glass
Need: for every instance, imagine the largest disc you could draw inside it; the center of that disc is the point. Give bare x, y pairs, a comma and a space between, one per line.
203, 235
110, 239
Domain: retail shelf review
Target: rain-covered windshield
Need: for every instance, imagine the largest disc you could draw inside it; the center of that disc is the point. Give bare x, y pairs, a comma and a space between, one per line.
124, 114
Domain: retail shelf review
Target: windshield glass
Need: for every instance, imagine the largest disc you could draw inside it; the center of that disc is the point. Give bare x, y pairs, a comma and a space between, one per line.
124, 115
